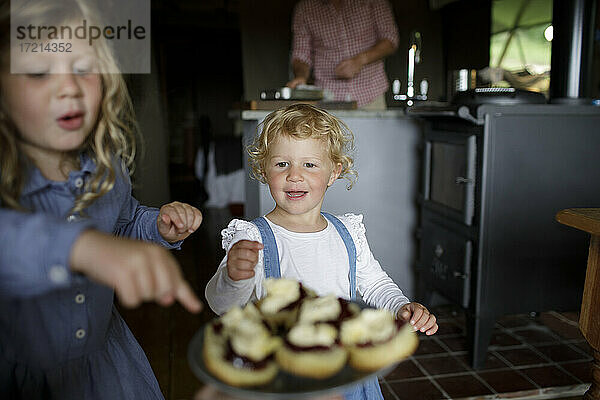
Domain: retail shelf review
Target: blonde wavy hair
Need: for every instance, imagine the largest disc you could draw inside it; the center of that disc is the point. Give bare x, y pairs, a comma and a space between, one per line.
304, 121
111, 145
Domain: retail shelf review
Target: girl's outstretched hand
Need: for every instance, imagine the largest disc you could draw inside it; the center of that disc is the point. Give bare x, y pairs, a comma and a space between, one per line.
420, 318
137, 271
242, 258
176, 221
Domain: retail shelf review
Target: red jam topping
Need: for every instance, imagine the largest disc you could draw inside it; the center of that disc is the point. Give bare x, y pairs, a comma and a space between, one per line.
294, 304
306, 348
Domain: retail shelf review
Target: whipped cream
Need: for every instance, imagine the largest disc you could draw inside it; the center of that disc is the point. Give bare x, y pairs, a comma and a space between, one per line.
248, 336
280, 293
326, 308
370, 326
236, 314
252, 340
308, 335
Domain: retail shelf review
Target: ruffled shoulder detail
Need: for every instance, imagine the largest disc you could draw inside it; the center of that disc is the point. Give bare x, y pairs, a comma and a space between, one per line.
356, 227
239, 226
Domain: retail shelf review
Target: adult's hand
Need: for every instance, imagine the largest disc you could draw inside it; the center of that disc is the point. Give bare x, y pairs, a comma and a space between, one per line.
295, 82
301, 73
349, 67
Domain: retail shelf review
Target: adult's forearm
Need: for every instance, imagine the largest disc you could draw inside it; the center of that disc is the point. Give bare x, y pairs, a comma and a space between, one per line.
349, 68
378, 51
301, 69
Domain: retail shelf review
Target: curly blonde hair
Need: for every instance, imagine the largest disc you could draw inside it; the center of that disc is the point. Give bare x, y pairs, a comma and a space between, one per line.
304, 121
115, 131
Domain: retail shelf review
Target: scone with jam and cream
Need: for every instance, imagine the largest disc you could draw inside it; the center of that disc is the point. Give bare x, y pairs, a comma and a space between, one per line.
329, 309
239, 348
306, 335
312, 350
374, 339
282, 301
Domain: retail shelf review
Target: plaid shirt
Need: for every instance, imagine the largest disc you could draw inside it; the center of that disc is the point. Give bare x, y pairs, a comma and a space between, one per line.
324, 36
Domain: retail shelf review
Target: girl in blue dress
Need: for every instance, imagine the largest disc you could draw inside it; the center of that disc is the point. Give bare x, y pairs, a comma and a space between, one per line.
67, 212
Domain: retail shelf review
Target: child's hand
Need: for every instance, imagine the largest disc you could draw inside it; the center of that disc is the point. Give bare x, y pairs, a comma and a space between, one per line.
137, 271
242, 258
176, 221
420, 317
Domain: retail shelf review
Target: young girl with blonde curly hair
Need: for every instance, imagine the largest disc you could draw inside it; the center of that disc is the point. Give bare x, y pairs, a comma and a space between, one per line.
66, 142
300, 152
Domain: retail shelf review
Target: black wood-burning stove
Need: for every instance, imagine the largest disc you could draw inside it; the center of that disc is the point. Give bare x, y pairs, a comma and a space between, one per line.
494, 176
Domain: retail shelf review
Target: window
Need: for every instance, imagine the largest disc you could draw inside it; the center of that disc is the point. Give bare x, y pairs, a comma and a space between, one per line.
520, 44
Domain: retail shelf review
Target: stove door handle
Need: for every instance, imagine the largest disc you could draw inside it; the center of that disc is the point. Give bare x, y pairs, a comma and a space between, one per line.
460, 180
459, 275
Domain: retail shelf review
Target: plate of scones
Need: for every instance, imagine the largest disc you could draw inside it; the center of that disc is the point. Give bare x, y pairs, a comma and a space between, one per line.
293, 343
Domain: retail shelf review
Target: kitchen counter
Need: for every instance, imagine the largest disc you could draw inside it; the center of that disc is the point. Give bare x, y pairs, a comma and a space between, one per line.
476, 113
260, 114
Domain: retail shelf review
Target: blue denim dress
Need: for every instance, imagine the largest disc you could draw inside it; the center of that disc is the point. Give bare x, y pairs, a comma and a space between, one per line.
370, 389
60, 334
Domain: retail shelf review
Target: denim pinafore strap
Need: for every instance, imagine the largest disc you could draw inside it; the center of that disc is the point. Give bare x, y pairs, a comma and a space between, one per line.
368, 390
270, 253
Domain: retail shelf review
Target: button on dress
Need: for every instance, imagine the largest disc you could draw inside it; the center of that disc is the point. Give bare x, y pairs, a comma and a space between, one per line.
61, 336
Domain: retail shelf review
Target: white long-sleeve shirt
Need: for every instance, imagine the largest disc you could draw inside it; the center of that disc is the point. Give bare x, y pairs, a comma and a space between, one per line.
317, 259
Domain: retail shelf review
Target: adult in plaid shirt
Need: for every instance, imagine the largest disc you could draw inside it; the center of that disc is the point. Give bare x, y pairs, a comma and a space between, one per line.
344, 42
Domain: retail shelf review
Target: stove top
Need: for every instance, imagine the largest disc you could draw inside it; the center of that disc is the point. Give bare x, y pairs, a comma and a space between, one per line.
465, 104
498, 96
